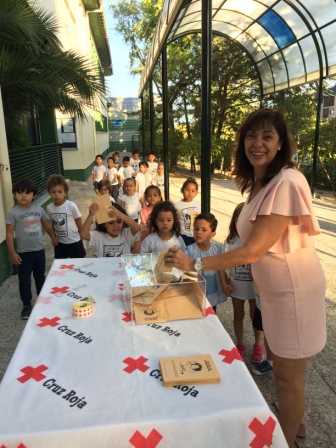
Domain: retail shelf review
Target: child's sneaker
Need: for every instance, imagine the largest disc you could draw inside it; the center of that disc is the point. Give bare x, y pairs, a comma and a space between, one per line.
258, 354
26, 311
241, 349
262, 368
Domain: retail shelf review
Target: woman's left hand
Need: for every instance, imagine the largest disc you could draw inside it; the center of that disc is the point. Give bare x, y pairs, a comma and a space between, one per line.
178, 259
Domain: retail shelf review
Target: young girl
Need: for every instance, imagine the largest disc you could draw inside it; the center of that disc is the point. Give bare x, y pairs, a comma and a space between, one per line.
239, 285
204, 230
187, 208
131, 201
158, 179
152, 197
105, 187
165, 223
111, 239
143, 178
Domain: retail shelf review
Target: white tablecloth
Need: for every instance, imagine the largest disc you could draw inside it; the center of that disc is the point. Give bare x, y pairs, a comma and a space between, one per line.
95, 382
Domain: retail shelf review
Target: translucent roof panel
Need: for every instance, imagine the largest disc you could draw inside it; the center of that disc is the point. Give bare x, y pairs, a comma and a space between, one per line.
290, 42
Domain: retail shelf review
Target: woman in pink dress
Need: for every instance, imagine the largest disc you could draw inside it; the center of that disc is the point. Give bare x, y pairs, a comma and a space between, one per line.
276, 226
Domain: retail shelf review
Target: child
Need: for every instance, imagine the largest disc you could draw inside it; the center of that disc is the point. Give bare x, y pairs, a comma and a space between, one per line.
152, 197
105, 187
25, 220
143, 179
239, 284
112, 175
131, 201
267, 365
158, 179
125, 171
204, 230
111, 239
66, 219
115, 158
135, 162
166, 226
186, 207
152, 165
98, 172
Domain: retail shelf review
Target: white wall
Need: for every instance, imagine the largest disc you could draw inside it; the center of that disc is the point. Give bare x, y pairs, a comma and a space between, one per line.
5, 176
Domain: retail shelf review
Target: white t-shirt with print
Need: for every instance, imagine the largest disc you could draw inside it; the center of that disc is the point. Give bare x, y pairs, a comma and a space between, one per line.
63, 219
184, 210
153, 243
107, 246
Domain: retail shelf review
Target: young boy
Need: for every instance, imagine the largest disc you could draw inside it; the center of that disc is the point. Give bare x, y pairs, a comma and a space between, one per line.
112, 175
205, 225
152, 165
25, 219
66, 219
143, 179
135, 162
98, 172
125, 171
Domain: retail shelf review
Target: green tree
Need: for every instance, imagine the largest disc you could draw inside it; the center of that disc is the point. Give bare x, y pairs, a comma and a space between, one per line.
35, 73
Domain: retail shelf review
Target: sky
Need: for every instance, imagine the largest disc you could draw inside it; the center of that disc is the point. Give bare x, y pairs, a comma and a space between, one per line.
121, 83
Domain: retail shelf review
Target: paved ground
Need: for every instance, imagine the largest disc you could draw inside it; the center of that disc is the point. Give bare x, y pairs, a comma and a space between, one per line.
321, 376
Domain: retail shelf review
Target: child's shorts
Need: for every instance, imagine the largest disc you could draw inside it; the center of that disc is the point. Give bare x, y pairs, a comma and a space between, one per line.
257, 320
95, 185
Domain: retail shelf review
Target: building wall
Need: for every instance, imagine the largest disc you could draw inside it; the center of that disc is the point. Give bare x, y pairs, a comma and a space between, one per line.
123, 127
75, 34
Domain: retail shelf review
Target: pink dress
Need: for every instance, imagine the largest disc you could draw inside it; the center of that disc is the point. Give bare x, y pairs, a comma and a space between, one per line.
289, 275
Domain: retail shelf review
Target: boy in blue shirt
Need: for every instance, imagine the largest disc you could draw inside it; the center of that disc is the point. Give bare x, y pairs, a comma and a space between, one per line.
26, 220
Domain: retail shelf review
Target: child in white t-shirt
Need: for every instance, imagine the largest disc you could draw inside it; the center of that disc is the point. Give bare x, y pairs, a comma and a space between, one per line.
152, 165
134, 161
66, 219
98, 172
158, 179
114, 238
112, 175
131, 201
187, 208
143, 179
239, 285
164, 221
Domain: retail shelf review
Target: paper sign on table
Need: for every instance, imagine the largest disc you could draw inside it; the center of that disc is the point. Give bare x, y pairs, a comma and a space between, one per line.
104, 203
197, 369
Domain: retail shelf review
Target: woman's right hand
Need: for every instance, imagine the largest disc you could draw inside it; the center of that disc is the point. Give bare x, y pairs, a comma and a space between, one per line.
178, 259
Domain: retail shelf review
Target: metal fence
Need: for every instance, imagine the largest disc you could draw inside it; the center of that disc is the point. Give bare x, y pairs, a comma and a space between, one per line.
36, 163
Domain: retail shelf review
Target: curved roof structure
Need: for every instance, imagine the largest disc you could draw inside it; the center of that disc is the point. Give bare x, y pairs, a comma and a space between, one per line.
290, 42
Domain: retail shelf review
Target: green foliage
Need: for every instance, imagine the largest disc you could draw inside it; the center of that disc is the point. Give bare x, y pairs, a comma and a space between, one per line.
35, 73
18, 138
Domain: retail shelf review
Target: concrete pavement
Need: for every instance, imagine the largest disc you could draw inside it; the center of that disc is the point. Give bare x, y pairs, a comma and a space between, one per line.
321, 376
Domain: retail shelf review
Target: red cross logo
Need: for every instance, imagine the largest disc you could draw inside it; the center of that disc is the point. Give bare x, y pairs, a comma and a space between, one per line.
127, 316
264, 433
116, 272
134, 364
151, 441
45, 300
51, 322
19, 446
230, 355
56, 290
209, 310
34, 373
67, 266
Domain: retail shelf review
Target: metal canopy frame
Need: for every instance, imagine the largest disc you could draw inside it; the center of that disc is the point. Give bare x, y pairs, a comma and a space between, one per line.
290, 43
